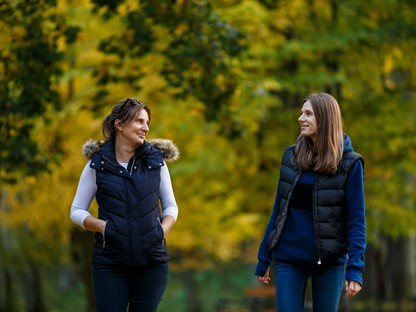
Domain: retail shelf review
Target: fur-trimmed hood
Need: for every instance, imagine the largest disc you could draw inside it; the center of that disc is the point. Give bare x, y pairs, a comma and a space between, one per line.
167, 147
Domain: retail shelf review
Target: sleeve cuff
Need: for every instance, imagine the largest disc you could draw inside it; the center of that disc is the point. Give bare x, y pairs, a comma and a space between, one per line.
261, 268
354, 275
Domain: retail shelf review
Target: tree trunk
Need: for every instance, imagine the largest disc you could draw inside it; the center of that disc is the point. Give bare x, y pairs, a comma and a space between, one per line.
7, 301
375, 276
400, 260
33, 289
191, 289
7, 291
83, 242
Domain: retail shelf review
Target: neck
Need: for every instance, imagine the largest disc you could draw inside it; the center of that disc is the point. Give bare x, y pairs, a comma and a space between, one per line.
124, 153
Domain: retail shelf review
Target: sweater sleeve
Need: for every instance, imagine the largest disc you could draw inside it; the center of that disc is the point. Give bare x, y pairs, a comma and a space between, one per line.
356, 223
167, 198
265, 254
87, 187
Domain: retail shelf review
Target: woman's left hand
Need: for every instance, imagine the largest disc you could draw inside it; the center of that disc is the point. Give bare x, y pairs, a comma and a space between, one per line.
167, 224
352, 288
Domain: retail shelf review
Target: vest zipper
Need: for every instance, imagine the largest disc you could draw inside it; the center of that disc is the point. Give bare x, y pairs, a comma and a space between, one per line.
276, 238
133, 161
315, 217
132, 164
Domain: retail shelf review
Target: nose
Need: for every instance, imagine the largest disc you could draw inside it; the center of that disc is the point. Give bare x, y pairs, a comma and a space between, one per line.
301, 117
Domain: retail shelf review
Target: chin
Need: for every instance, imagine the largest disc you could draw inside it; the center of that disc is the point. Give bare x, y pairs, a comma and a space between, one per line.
139, 142
306, 135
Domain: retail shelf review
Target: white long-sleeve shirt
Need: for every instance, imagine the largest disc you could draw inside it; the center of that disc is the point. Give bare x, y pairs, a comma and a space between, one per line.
87, 188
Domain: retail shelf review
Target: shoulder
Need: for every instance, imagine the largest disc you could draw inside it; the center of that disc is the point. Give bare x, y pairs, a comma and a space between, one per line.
349, 153
91, 147
350, 160
352, 157
169, 150
290, 148
288, 158
288, 153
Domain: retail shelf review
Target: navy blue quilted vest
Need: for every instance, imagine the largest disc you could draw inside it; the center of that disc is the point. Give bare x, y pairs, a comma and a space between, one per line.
129, 200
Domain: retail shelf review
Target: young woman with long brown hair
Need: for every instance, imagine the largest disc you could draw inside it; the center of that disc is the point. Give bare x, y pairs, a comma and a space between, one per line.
317, 228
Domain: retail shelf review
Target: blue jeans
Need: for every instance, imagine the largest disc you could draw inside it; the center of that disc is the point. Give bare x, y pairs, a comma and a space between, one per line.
138, 288
291, 280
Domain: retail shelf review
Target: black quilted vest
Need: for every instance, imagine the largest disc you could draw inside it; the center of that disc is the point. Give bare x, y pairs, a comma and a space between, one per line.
329, 211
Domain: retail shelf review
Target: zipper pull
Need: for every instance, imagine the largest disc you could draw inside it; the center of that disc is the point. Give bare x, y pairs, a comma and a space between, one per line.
319, 261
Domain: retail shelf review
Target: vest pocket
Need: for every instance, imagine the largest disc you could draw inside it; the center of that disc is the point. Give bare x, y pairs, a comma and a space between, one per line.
113, 241
161, 231
105, 228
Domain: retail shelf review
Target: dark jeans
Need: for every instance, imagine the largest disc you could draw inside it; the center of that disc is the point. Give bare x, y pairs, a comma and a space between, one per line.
138, 288
327, 285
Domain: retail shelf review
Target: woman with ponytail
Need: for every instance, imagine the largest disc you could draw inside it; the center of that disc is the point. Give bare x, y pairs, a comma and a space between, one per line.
130, 181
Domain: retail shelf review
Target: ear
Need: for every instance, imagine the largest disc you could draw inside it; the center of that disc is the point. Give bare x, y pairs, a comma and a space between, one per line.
118, 125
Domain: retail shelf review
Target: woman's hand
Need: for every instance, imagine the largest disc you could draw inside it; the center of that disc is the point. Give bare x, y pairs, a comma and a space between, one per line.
265, 278
167, 224
94, 224
352, 288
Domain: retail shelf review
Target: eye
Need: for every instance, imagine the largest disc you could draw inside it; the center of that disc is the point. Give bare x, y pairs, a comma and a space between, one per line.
142, 121
309, 113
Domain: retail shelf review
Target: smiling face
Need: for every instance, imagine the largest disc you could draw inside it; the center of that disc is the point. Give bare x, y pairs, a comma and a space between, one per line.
307, 121
134, 133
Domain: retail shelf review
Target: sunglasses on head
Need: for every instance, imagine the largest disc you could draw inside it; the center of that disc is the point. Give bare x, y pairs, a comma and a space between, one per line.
134, 101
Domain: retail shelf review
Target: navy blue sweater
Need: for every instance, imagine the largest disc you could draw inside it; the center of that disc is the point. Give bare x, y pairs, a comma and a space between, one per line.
297, 243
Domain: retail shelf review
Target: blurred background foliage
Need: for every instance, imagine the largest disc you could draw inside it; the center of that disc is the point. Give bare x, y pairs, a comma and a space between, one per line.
225, 81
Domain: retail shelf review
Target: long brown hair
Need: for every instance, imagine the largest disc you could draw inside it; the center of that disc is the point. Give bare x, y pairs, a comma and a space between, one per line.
125, 111
325, 152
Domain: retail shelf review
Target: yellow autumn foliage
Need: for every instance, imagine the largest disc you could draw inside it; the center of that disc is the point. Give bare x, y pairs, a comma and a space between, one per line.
225, 185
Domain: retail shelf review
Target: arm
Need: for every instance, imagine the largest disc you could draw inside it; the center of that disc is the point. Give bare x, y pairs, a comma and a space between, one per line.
167, 200
86, 190
356, 229
264, 254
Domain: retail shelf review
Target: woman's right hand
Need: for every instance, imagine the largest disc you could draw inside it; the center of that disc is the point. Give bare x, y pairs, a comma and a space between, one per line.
265, 278
94, 224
